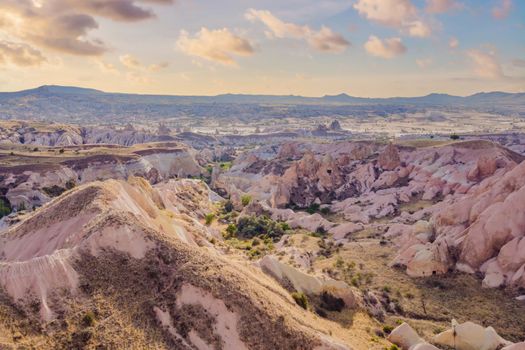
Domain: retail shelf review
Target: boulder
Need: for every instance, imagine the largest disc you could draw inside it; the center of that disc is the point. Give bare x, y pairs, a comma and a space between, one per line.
405, 337
470, 336
389, 158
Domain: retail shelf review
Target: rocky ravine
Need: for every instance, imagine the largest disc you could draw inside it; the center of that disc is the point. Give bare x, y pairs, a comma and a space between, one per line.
126, 264
473, 194
30, 179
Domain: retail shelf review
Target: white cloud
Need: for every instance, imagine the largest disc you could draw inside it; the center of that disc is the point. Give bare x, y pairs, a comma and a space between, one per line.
133, 63
387, 48
19, 54
424, 62
219, 45
65, 25
442, 6
485, 64
130, 62
324, 40
502, 10
518, 62
401, 14
453, 43
418, 29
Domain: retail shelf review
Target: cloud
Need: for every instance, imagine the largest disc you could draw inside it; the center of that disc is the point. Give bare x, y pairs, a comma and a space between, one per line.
502, 10
400, 14
424, 62
65, 25
19, 54
130, 62
518, 62
442, 6
485, 64
133, 63
323, 40
387, 48
453, 43
219, 45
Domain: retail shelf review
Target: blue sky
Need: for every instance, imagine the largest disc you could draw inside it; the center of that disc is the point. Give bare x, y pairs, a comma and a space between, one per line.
373, 48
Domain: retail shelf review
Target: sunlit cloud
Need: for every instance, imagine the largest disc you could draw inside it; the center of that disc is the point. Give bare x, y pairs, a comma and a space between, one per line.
485, 64
19, 54
324, 40
387, 48
453, 43
442, 6
400, 14
219, 45
424, 62
65, 25
502, 9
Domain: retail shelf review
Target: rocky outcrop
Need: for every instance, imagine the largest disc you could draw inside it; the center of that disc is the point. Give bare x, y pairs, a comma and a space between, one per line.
42, 177
308, 284
407, 338
470, 336
389, 158
142, 250
482, 231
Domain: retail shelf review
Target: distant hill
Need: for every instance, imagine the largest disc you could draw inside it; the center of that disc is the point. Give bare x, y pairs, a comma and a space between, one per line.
76, 104
431, 99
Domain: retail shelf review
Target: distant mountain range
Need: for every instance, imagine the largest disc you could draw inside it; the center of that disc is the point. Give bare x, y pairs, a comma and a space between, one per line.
80, 105
431, 99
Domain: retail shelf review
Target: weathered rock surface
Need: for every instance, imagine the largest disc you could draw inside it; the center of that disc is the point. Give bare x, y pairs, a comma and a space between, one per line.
116, 237
470, 336
41, 177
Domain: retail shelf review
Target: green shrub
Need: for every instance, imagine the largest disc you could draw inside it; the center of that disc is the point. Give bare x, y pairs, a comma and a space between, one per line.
300, 299
253, 226
231, 229
70, 184
228, 206
394, 347
245, 200
5, 208
89, 319
454, 137
325, 211
313, 208
209, 218
387, 329
54, 191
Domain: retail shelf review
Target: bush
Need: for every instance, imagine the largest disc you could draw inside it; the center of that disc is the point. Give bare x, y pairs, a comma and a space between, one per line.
454, 137
71, 183
313, 208
332, 303
231, 229
209, 218
300, 299
394, 347
252, 226
228, 206
5, 208
89, 319
54, 191
325, 210
387, 329
245, 200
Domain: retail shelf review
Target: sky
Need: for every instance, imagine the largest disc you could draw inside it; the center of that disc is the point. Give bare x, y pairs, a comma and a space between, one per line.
367, 48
